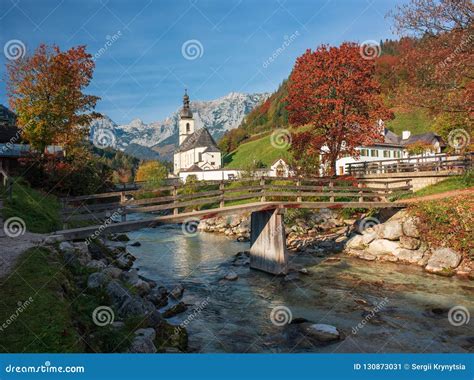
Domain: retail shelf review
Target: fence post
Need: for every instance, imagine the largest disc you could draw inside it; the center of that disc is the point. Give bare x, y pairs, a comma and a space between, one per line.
221, 188
380, 167
262, 185
361, 194
175, 199
298, 184
331, 188
386, 191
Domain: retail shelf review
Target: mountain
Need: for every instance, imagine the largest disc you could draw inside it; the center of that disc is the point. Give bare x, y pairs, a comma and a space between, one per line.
159, 139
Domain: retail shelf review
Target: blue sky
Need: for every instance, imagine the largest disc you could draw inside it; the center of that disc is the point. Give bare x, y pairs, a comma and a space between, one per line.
143, 71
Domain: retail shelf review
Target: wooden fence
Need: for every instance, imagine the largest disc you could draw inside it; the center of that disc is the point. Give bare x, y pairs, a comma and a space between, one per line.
437, 162
220, 194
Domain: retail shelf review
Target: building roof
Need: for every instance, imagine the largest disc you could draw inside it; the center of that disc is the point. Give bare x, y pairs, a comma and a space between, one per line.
393, 140
193, 168
7, 117
199, 139
423, 138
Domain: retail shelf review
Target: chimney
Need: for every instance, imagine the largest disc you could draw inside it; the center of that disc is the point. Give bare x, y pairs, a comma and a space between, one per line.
405, 135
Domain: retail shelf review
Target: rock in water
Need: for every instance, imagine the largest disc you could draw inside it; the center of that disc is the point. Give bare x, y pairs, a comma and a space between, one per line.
174, 310
322, 332
231, 276
443, 260
177, 291
382, 247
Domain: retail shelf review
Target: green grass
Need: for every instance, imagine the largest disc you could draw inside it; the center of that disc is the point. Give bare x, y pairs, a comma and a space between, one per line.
40, 212
257, 150
42, 323
416, 121
454, 183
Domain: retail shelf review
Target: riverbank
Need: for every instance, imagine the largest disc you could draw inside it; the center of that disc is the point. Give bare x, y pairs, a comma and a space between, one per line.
78, 298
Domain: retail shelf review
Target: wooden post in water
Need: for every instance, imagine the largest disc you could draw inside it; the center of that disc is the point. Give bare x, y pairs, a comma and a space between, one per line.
268, 251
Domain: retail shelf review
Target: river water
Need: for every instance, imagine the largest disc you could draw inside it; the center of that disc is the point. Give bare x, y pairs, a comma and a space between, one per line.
398, 308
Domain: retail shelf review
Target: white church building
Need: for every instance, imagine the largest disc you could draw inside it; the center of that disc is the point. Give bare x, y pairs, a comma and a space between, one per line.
197, 150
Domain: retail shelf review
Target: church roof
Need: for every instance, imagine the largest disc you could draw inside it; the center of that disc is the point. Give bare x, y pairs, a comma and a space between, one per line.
199, 139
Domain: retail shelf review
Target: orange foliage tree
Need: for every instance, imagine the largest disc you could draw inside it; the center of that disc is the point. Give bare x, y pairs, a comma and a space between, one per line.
334, 96
45, 90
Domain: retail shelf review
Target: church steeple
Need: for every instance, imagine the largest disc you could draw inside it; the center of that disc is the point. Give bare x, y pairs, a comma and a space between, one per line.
186, 121
186, 111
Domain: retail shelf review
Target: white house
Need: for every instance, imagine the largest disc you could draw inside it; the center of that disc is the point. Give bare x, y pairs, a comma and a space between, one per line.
392, 147
197, 149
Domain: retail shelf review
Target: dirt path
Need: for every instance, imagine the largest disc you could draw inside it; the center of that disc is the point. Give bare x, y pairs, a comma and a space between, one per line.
12, 247
432, 197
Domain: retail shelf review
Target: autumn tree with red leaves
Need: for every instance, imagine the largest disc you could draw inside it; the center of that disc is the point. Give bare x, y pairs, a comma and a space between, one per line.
45, 90
334, 98
436, 68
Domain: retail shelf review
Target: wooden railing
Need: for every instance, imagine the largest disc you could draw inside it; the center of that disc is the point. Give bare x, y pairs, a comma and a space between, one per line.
220, 194
436, 162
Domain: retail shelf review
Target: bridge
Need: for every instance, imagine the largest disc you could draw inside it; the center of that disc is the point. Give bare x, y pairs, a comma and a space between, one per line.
266, 198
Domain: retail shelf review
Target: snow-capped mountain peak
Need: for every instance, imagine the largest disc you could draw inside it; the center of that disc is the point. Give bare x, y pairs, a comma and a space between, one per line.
219, 116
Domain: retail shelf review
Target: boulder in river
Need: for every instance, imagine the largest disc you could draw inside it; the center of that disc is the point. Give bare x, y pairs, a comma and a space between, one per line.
180, 307
322, 332
382, 247
443, 260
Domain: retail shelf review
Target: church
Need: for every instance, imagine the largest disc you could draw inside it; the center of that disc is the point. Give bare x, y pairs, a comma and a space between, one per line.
197, 150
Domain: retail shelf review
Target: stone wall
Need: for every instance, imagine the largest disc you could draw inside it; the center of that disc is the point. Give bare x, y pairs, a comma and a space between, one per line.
398, 240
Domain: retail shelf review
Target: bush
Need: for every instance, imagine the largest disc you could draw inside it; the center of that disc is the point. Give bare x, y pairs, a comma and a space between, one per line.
152, 172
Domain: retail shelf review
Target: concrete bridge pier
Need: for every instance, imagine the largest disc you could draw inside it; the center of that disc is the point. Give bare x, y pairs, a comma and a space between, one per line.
268, 251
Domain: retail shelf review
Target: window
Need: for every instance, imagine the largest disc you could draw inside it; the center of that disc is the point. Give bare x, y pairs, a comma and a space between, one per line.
213, 163
386, 153
374, 153
341, 170
188, 128
363, 152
